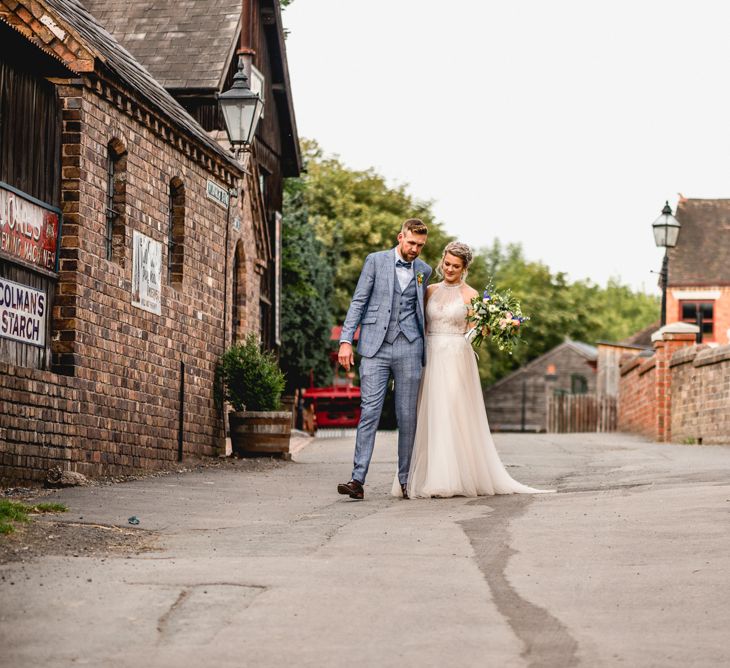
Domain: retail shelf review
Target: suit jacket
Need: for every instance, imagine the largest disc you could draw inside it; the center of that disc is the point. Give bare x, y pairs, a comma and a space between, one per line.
373, 299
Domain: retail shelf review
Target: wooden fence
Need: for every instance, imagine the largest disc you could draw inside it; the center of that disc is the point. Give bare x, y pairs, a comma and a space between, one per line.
570, 413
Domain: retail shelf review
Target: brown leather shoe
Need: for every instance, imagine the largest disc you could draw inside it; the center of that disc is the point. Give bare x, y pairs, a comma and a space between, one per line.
353, 489
404, 489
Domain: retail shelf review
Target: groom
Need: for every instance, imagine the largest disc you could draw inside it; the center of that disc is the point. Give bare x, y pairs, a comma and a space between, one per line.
388, 306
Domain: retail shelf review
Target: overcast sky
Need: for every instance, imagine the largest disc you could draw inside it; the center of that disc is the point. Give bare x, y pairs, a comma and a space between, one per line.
561, 125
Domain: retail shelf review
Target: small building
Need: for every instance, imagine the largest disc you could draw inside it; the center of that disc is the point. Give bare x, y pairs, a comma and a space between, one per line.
519, 401
133, 249
698, 289
610, 355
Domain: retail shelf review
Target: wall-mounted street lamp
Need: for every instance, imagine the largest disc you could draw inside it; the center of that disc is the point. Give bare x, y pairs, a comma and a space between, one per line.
241, 109
666, 233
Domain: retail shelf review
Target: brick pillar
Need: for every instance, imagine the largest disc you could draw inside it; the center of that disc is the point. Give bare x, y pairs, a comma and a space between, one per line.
65, 340
667, 341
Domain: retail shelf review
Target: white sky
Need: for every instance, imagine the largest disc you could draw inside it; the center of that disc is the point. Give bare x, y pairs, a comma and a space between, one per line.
563, 125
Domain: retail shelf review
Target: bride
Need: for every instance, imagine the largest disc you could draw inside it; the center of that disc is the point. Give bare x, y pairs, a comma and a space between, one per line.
453, 451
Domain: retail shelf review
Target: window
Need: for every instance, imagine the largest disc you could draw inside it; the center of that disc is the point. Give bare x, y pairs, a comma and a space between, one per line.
578, 384
176, 233
692, 311
116, 201
265, 309
239, 292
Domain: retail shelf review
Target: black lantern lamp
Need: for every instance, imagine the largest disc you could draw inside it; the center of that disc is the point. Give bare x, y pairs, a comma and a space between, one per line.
241, 109
666, 233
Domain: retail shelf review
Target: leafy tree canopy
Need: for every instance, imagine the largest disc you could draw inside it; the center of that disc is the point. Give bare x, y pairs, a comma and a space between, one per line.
306, 312
355, 212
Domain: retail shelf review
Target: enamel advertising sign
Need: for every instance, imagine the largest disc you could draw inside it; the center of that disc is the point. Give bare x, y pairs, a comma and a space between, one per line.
28, 229
22, 313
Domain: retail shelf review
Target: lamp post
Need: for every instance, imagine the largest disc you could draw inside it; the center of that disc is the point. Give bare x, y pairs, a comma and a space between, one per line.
666, 232
241, 109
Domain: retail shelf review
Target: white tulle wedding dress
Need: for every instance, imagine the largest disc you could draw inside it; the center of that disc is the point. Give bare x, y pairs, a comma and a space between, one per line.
453, 451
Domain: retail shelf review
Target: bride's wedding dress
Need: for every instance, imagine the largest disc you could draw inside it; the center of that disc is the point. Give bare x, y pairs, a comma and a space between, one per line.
453, 451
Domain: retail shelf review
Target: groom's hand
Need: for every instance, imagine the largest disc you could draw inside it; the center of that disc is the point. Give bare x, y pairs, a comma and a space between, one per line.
345, 356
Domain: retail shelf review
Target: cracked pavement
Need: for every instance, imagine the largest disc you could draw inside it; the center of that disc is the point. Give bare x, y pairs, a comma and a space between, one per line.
629, 564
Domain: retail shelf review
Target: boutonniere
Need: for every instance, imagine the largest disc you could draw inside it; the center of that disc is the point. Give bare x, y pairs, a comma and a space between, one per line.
419, 278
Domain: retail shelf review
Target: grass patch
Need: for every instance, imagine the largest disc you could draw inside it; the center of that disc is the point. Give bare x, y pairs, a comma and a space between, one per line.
14, 511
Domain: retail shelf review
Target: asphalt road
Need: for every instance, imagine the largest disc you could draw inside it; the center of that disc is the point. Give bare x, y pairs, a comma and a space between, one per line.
627, 565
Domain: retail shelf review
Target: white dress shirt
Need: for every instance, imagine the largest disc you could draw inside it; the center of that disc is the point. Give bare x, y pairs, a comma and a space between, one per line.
405, 275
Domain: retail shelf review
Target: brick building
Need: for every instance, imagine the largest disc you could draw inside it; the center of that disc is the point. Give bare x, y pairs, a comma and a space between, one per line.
518, 402
134, 249
699, 268
190, 48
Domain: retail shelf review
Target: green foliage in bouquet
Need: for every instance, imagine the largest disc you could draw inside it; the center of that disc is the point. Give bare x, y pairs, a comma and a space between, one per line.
250, 379
498, 316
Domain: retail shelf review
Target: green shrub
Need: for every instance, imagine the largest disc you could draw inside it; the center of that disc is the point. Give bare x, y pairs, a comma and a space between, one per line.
251, 379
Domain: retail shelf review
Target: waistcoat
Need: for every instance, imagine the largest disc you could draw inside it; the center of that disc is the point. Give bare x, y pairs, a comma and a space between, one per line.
403, 313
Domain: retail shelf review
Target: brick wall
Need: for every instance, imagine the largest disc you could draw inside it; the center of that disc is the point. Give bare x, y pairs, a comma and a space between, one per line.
636, 399
111, 403
701, 395
681, 393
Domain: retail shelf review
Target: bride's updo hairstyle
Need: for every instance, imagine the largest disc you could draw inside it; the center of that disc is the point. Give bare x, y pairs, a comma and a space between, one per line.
460, 250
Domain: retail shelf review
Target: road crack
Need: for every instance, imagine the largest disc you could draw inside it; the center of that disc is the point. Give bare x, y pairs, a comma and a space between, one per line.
547, 642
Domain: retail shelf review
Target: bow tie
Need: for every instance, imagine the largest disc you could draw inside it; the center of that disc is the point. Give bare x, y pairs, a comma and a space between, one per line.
400, 263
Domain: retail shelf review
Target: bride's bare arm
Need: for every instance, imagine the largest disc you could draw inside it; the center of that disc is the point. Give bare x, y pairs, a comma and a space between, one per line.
468, 293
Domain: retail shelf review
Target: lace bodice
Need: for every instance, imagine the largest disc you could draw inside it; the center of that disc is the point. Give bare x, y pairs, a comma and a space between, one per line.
446, 311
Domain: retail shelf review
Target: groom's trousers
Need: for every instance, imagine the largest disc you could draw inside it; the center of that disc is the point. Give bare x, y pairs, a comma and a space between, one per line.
404, 360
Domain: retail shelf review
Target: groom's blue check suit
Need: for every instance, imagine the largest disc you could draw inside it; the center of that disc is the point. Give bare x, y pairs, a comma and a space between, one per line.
391, 322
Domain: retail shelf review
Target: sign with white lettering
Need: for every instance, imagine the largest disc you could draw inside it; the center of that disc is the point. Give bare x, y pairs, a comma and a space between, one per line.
146, 273
28, 229
217, 194
22, 313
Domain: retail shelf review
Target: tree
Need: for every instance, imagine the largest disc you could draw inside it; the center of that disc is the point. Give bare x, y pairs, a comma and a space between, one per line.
559, 309
307, 276
355, 213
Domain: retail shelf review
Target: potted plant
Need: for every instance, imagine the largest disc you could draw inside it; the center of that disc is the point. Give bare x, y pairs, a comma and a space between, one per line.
252, 383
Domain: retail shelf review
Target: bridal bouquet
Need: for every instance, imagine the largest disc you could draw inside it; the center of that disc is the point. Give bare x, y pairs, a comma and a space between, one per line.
496, 315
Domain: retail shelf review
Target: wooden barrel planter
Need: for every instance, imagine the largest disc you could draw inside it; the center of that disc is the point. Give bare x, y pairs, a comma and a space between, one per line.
260, 432
288, 404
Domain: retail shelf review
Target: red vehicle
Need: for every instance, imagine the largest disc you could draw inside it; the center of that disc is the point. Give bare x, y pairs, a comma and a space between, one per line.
334, 406
337, 405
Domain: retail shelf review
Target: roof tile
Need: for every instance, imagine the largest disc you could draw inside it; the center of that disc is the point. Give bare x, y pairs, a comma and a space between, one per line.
702, 254
174, 27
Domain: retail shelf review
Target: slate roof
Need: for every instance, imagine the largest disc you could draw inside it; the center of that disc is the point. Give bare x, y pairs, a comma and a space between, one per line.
189, 45
123, 64
183, 43
642, 338
702, 254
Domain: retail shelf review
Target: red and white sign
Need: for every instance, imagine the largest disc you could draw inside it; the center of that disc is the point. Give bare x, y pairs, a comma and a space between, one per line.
28, 229
22, 313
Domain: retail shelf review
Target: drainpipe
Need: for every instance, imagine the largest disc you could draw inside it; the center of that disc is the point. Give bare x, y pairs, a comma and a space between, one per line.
245, 47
